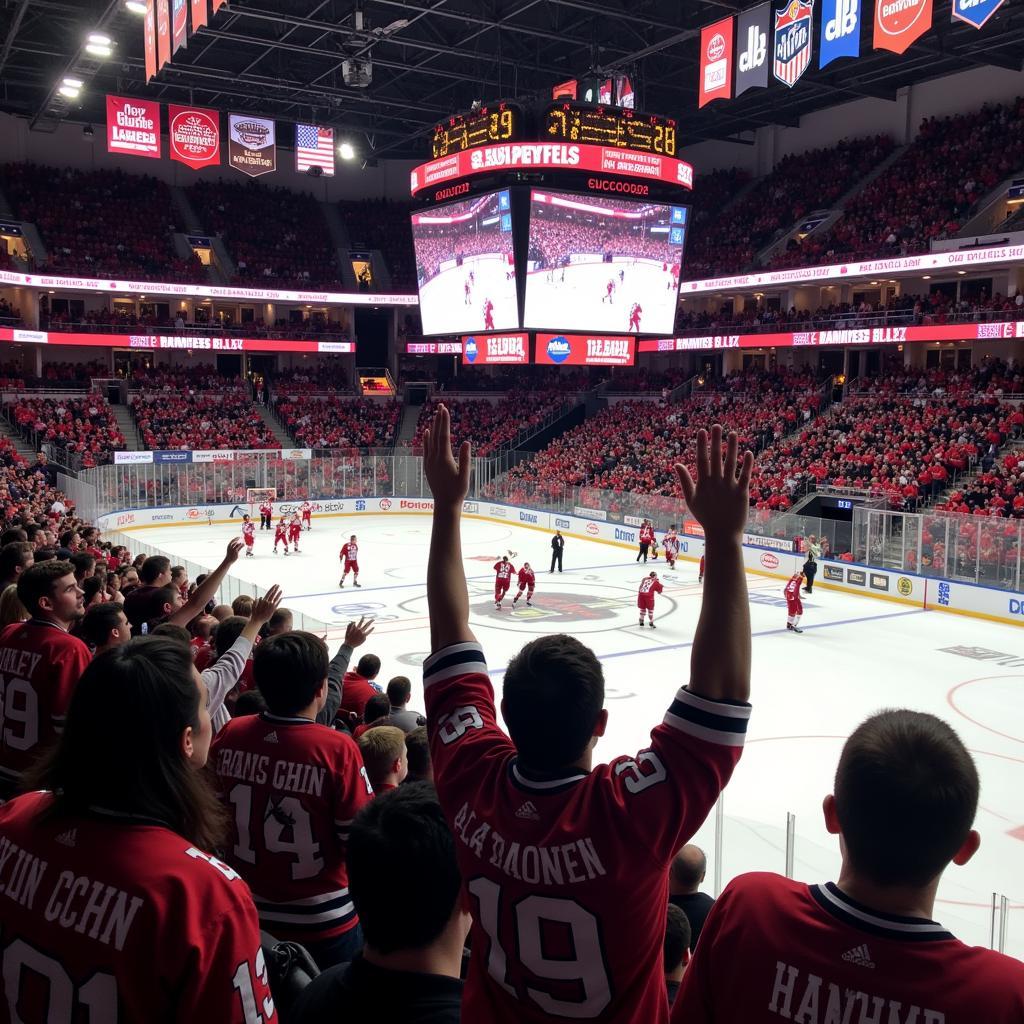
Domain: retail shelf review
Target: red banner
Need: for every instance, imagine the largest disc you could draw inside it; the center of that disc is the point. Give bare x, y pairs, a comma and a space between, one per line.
851, 336
716, 56
900, 23
198, 15
166, 342
149, 38
179, 24
163, 33
585, 350
193, 135
495, 348
133, 127
623, 163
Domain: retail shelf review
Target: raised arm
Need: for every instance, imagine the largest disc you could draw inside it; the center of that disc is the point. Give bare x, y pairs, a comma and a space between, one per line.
355, 636
208, 588
719, 500
447, 596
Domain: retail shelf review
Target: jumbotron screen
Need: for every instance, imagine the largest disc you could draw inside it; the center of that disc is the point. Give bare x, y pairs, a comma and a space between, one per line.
465, 266
598, 264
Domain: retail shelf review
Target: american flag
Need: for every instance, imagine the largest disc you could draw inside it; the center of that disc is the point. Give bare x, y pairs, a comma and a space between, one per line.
314, 147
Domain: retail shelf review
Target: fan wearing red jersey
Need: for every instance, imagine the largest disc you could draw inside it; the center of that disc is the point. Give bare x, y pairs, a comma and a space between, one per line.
649, 586
794, 606
306, 509
503, 571
293, 788
248, 535
349, 556
527, 581
112, 908
566, 863
864, 948
281, 534
40, 662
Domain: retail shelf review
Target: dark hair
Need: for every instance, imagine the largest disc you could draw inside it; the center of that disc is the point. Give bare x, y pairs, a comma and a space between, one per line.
677, 938
553, 694
179, 634
369, 666
289, 669
906, 793
417, 751
65, 537
83, 563
377, 708
227, 632
98, 621
13, 535
176, 569
249, 703
153, 568
403, 834
91, 586
31, 529
13, 556
130, 707
38, 582
280, 618
47, 554
399, 690
689, 867
243, 605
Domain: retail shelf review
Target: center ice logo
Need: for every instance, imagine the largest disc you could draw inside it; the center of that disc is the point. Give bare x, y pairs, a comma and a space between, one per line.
471, 350
559, 349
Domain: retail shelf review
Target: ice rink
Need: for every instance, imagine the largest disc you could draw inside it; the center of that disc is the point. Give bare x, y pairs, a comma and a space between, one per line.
550, 300
857, 655
443, 305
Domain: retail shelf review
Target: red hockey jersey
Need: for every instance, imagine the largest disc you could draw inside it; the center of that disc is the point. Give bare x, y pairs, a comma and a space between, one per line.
810, 953
249, 532
527, 578
293, 788
504, 571
569, 876
792, 588
350, 552
110, 918
266, 508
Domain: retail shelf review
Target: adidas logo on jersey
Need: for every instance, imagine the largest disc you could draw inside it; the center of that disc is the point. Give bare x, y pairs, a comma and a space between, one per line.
860, 956
271, 737
69, 838
528, 812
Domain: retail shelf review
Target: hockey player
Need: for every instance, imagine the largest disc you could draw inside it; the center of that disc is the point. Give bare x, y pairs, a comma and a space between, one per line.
794, 606
634, 316
671, 546
646, 540
502, 580
488, 315
307, 514
700, 570
609, 288
466, 293
527, 581
281, 535
295, 531
266, 511
649, 586
248, 535
350, 556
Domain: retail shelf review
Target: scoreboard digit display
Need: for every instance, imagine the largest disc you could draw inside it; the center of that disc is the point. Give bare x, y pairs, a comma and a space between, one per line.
613, 127
484, 127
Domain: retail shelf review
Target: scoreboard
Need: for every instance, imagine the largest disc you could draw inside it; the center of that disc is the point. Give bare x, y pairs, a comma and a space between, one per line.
609, 126
484, 127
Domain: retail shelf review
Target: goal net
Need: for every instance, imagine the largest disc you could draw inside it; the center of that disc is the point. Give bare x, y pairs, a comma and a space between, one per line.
255, 496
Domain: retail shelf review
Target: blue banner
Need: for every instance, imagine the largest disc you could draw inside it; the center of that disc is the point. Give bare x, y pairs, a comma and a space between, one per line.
975, 12
840, 30
172, 456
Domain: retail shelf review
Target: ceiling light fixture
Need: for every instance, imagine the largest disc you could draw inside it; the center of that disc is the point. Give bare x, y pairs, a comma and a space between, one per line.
346, 151
135, 6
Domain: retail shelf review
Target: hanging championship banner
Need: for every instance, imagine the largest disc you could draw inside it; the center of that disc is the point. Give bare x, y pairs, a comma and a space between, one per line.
840, 30
900, 23
752, 29
975, 12
198, 15
715, 62
252, 148
133, 127
193, 135
792, 49
149, 38
179, 24
163, 32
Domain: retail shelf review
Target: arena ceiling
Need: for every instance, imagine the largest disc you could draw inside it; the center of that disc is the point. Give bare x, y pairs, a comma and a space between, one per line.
283, 58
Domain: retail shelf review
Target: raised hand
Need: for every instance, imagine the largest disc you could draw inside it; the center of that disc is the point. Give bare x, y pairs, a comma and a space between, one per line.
357, 632
233, 551
264, 607
448, 480
720, 498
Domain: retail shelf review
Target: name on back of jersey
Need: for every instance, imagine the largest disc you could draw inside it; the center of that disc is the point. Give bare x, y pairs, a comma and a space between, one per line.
284, 776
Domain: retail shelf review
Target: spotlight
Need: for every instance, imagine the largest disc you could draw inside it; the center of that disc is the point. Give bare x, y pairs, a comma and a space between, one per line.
346, 151
99, 45
135, 6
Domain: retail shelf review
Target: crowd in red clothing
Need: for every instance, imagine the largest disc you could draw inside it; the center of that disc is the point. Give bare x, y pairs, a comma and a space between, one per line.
996, 491
340, 422
927, 193
102, 223
799, 184
201, 420
84, 427
446, 244
556, 235
314, 379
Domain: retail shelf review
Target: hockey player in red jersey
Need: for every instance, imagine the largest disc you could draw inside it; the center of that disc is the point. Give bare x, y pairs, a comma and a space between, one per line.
794, 606
466, 293
649, 586
281, 534
266, 513
307, 514
295, 531
488, 315
143, 923
568, 922
502, 580
865, 948
350, 557
527, 581
292, 814
647, 539
671, 546
635, 312
700, 570
248, 535
609, 288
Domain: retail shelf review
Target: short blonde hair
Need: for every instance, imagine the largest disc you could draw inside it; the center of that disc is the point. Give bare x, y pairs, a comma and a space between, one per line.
381, 747
11, 608
242, 605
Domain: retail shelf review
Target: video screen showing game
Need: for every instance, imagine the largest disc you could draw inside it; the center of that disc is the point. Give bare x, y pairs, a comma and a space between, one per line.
598, 264
465, 267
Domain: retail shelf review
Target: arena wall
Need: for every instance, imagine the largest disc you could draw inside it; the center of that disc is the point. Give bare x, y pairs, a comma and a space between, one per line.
763, 556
